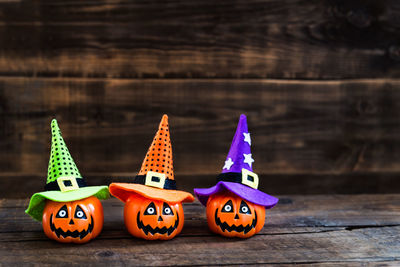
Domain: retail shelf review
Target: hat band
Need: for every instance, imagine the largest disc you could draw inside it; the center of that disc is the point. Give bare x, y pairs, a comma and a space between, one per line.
234, 177
53, 186
245, 177
169, 184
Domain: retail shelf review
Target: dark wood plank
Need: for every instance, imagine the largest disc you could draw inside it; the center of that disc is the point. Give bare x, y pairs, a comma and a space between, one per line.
293, 214
364, 245
240, 39
317, 230
350, 264
22, 186
301, 127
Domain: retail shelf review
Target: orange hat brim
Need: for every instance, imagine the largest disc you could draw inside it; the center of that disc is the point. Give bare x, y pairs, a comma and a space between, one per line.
123, 191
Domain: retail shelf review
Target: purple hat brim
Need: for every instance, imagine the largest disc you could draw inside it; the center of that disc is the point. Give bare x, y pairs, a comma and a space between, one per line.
247, 193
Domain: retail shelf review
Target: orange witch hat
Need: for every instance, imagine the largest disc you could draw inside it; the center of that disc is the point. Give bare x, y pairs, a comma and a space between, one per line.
155, 179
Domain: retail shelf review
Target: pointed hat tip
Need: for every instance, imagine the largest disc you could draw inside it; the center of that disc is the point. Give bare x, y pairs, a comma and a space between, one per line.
54, 123
242, 120
164, 120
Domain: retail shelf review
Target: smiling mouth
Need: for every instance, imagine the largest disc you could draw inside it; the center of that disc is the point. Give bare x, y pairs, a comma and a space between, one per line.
148, 229
245, 229
60, 232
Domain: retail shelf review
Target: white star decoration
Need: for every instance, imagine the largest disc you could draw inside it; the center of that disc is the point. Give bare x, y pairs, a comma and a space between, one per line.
248, 159
247, 138
228, 164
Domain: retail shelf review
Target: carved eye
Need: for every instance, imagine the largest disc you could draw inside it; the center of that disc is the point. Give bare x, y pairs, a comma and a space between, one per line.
79, 213
63, 212
244, 208
150, 210
167, 209
228, 207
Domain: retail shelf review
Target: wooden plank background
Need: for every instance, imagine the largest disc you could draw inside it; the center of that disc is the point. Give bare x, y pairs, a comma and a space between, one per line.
319, 81
331, 39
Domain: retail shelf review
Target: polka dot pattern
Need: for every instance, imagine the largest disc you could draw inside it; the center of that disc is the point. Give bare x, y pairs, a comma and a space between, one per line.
61, 162
159, 156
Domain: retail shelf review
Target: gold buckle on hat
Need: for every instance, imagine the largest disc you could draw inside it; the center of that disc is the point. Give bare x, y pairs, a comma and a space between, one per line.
155, 179
66, 188
249, 178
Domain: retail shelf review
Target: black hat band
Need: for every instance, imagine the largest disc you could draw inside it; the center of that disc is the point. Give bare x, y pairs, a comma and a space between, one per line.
54, 185
167, 183
245, 177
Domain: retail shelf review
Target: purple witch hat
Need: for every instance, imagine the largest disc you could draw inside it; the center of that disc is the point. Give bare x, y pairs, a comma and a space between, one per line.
237, 173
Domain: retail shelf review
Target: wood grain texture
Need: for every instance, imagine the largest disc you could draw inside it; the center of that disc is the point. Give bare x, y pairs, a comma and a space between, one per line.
109, 69
297, 127
292, 39
22, 186
319, 230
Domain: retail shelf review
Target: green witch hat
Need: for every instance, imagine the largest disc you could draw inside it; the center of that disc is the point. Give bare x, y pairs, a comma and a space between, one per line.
64, 181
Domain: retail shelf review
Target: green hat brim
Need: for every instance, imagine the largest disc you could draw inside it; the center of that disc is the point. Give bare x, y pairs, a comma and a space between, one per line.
38, 200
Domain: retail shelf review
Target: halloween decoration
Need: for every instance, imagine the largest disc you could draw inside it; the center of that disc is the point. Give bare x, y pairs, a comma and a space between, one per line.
153, 219
235, 208
232, 216
76, 221
153, 206
70, 210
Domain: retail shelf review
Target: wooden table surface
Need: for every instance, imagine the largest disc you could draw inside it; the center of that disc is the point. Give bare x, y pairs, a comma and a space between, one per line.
318, 230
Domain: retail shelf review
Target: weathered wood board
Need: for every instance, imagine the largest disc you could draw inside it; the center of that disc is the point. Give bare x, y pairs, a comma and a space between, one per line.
22, 186
290, 39
297, 127
319, 230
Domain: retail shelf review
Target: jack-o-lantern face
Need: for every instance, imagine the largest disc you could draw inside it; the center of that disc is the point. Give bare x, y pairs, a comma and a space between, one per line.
73, 222
230, 215
153, 219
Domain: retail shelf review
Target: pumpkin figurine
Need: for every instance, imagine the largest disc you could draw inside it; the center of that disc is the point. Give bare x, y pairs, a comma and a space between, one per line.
70, 210
153, 207
234, 206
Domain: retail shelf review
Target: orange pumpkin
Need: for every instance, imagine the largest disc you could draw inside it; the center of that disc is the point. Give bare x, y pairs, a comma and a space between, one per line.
73, 222
230, 215
153, 219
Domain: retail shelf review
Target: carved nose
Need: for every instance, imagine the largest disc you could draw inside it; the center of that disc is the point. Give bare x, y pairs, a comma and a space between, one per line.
71, 222
236, 216
160, 219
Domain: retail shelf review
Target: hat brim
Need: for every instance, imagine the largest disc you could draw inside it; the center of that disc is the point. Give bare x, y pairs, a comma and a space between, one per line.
247, 193
123, 191
37, 202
